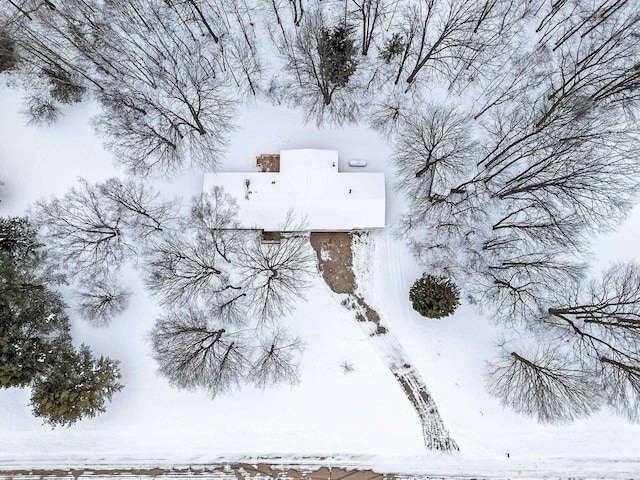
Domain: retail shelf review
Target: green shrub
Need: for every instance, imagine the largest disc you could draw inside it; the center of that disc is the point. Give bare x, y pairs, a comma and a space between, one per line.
434, 297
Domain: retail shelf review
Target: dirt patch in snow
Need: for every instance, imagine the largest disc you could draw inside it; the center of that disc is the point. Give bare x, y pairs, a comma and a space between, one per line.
333, 250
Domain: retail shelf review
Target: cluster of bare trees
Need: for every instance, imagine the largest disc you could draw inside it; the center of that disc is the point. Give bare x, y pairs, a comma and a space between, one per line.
167, 73
224, 291
398, 51
531, 151
512, 191
93, 230
591, 357
196, 350
320, 66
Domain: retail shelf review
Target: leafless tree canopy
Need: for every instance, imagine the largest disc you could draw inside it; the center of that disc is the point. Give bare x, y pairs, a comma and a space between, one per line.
83, 232
99, 300
309, 83
187, 124
546, 385
95, 227
166, 86
191, 265
507, 197
601, 321
433, 150
276, 273
275, 361
591, 358
552, 162
214, 279
193, 351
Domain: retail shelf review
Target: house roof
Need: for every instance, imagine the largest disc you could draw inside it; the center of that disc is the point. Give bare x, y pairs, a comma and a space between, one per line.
310, 184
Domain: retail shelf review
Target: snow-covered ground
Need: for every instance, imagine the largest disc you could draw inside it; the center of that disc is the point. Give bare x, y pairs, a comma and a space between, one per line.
360, 413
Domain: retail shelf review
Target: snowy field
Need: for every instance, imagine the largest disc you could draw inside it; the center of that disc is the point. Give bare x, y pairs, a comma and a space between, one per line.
360, 417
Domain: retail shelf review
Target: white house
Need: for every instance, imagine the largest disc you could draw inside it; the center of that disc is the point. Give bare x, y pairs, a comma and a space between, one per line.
309, 183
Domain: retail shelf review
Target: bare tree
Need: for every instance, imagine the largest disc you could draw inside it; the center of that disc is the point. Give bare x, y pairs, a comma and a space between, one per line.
144, 212
83, 232
517, 282
214, 217
547, 384
185, 271
100, 299
433, 149
46, 38
446, 38
275, 361
185, 127
94, 227
602, 322
192, 264
193, 351
40, 110
276, 273
368, 13
231, 25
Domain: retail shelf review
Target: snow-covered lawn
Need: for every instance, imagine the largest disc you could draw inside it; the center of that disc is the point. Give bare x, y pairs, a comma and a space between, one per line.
363, 412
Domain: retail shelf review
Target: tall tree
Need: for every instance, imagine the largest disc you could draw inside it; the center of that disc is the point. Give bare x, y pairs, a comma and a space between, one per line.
194, 351
276, 273
76, 386
100, 299
546, 385
591, 356
94, 227
193, 266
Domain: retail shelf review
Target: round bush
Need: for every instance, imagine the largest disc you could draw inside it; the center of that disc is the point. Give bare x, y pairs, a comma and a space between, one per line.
434, 297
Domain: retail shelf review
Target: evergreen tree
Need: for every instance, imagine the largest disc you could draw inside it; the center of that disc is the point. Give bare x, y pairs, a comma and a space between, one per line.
434, 297
17, 238
338, 54
33, 323
77, 385
32, 327
35, 344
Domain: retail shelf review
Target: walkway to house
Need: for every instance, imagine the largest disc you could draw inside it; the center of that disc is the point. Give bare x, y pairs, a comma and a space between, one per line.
335, 261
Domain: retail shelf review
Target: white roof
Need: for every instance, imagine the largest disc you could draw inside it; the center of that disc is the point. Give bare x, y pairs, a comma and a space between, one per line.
310, 184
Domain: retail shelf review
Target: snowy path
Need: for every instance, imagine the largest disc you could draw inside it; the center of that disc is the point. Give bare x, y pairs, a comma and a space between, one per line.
335, 262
